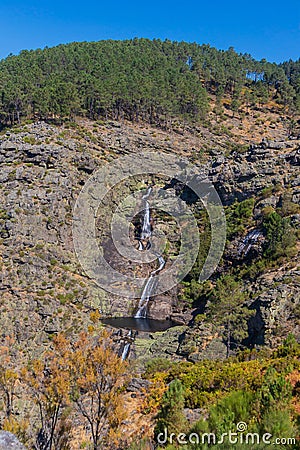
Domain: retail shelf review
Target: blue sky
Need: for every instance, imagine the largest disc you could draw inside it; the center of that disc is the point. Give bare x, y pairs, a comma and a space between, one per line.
267, 29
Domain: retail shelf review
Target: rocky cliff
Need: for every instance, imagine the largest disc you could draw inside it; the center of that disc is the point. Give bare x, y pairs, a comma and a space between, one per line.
43, 167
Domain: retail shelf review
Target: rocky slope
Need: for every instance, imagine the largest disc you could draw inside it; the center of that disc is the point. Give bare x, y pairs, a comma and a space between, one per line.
43, 168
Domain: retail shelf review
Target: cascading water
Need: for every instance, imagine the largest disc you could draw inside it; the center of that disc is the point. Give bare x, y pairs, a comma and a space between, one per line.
250, 239
125, 351
146, 229
140, 321
150, 284
126, 348
145, 297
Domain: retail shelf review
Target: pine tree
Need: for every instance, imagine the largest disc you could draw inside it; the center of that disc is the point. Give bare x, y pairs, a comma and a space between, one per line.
171, 416
227, 309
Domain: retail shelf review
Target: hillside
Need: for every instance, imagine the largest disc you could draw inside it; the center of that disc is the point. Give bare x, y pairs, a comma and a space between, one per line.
65, 113
44, 168
154, 81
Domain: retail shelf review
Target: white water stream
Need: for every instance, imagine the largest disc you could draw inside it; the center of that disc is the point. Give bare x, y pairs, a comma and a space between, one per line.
144, 244
150, 283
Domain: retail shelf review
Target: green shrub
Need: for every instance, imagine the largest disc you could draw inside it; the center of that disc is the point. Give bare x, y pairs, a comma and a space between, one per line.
171, 415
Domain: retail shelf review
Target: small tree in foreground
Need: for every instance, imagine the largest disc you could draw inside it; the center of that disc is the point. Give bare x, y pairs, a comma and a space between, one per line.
171, 415
8, 377
48, 380
87, 376
97, 378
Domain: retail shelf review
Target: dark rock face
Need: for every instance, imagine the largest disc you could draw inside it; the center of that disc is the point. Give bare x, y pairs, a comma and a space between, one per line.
8, 441
276, 307
244, 175
294, 157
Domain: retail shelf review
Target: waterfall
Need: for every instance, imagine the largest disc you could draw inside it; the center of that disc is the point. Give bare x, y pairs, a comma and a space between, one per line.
143, 303
125, 351
127, 344
162, 263
150, 284
250, 239
141, 313
146, 230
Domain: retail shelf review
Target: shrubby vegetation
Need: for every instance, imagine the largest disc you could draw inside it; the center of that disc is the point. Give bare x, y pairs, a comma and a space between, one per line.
281, 238
239, 215
78, 382
261, 392
77, 385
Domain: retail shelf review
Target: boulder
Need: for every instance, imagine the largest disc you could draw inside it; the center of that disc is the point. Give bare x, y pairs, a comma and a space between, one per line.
9, 441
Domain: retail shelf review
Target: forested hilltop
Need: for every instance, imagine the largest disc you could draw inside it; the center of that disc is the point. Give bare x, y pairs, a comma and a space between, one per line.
140, 79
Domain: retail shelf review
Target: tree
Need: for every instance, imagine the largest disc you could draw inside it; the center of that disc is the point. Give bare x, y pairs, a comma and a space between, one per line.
275, 390
280, 236
8, 376
48, 380
287, 93
86, 374
97, 376
135, 79
230, 410
227, 309
235, 103
171, 415
239, 216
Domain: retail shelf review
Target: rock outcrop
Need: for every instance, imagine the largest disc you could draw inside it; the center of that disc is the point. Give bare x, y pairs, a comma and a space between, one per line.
8, 441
